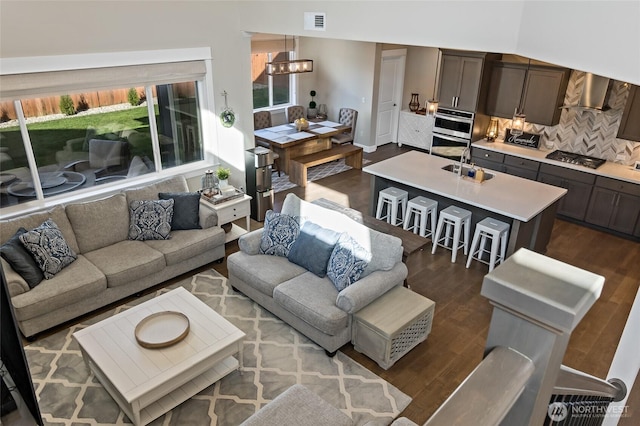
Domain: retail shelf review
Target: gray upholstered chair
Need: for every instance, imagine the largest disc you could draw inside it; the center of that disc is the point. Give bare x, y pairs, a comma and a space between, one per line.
262, 120
294, 112
348, 117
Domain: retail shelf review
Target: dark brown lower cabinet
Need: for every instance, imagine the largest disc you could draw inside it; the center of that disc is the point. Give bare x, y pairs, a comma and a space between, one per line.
617, 209
578, 185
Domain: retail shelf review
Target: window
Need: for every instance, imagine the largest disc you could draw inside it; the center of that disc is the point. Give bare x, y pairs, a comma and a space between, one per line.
66, 131
269, 91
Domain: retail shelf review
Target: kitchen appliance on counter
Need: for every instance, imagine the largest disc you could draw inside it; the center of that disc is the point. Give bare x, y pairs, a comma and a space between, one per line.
259, 166
452, 132
577, 159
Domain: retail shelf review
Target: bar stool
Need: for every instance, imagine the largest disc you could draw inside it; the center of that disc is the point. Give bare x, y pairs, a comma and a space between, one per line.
392, 197
456, 218
421, 208
495, 230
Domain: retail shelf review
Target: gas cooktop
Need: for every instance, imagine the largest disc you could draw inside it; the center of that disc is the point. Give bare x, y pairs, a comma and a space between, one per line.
577, 159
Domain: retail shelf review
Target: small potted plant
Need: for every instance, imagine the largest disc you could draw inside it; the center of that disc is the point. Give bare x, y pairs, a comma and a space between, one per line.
312, 112
223, 176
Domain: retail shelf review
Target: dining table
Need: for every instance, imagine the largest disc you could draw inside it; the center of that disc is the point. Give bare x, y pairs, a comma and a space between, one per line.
289, 142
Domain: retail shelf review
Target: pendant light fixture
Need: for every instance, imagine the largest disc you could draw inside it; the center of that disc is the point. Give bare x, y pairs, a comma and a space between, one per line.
519, 117
290, 66
432, 104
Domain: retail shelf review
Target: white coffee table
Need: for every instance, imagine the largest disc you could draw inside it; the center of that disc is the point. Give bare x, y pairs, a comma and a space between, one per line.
147, 383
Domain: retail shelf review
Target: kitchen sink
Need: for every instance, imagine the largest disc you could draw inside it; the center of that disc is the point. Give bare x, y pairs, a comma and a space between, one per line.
465, 171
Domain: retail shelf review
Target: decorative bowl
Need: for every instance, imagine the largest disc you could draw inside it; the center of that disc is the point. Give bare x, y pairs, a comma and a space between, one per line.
301, 124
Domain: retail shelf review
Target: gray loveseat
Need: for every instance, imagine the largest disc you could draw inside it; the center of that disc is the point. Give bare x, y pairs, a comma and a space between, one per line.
311, 304
109, 266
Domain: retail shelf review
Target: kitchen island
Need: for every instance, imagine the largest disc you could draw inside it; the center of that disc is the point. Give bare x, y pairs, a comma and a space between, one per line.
528, 206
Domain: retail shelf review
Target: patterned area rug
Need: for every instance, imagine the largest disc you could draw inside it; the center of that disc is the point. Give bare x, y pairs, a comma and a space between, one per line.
282, 182
275, 357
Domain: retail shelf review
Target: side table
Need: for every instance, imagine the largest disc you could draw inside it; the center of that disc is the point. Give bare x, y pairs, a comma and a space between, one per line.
389, 327
231, 210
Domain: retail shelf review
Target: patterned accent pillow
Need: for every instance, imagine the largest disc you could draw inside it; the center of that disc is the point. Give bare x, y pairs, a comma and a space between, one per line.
280, 232
347, 262
150, 219
49, 248
21, 259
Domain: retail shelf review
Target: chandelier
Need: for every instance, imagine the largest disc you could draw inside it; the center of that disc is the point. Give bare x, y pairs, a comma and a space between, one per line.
291, 66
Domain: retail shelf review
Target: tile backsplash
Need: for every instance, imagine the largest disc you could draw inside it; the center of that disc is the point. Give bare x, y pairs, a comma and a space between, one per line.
585, 131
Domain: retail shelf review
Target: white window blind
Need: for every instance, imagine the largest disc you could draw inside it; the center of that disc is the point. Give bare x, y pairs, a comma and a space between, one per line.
39, 84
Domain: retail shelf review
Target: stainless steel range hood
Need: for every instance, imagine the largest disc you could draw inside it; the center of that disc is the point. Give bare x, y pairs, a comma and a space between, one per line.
595, 93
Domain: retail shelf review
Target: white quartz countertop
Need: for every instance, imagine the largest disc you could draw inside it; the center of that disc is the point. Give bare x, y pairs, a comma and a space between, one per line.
608, 169
507, 195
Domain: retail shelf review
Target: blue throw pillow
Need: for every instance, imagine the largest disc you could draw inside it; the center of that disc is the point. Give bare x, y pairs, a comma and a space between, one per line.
347, 262
280, 232
186, 209
150, 219
313, 247
21, 260
49, 248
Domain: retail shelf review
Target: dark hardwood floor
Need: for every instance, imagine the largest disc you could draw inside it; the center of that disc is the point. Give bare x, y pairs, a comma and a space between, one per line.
431, 371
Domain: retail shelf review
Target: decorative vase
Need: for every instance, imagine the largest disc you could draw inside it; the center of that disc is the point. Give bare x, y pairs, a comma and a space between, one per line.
208, 183
312, 113
322, 111
414, 104
223, 183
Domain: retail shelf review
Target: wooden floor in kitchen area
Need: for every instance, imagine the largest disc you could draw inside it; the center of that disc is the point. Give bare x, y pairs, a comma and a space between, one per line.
431, 371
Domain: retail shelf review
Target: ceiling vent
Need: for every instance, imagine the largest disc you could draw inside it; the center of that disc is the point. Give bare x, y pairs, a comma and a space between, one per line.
315, 21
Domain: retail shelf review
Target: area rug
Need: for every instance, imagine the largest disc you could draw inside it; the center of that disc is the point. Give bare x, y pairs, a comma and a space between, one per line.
275, 357
282, 182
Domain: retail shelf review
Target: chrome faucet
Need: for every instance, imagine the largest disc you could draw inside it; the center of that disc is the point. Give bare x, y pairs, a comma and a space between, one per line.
463, 159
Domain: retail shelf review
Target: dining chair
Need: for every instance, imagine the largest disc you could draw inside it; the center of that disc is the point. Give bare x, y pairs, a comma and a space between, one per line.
347, 117
294, 112
262, 120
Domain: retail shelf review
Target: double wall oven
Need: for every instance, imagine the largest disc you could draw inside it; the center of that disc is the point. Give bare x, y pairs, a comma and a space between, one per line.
452, 131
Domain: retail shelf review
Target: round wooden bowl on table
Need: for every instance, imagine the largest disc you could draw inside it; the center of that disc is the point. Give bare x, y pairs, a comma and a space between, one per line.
162, 329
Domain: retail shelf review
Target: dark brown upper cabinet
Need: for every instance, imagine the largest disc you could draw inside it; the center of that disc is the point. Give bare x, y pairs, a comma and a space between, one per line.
464, 80
630, 122
544, 91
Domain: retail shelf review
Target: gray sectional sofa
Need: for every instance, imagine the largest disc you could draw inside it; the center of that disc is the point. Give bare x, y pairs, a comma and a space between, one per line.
109, 266
309, 303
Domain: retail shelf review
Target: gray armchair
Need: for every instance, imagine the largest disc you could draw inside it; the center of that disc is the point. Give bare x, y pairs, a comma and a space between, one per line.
347, 117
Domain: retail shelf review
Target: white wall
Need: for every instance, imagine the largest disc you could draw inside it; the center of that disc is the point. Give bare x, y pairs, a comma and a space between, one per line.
596, 36
345, 71
420, 74
601, 37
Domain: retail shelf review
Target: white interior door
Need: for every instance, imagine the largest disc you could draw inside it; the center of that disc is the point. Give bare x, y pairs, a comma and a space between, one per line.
390, 95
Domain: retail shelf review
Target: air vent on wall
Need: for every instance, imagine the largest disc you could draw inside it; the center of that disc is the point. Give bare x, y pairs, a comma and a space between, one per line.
315, 21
